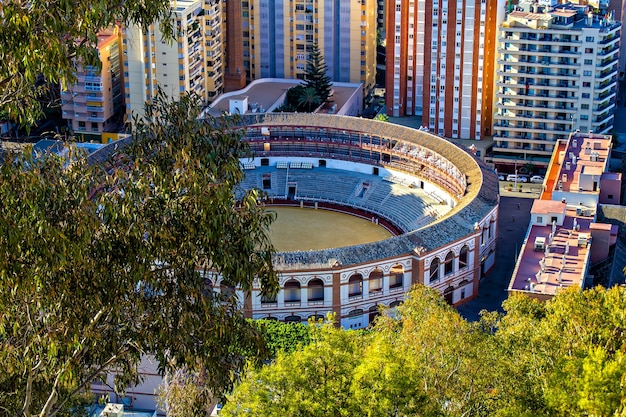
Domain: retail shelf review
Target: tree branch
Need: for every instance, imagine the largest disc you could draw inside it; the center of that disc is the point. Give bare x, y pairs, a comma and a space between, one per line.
87, 380
29, 389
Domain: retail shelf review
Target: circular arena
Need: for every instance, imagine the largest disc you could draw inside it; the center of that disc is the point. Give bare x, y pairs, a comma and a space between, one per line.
439, 202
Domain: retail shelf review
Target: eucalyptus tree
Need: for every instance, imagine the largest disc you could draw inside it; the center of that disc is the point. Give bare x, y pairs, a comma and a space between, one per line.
102, 263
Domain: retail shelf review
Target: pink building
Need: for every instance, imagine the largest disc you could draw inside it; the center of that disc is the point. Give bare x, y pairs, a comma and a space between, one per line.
563, 237
91, 105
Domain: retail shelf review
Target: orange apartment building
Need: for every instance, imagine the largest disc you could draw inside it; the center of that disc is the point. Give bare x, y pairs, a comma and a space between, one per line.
440, 57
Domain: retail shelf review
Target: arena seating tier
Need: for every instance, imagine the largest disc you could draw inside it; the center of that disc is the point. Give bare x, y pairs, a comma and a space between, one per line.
408, 208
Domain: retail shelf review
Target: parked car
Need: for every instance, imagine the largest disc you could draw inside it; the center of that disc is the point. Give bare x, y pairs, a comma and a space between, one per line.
501, 177
516, 178
536, 179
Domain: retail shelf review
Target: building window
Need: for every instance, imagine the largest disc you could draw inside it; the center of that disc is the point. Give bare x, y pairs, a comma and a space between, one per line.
584, 106
587, 73
355, 285
434, 270
293, 319
315, 290
610, 196
448, 266
376, 281
463, 257
589, 50
539, 219
588, 62
292, 291
589, 39
396, 276
586, 95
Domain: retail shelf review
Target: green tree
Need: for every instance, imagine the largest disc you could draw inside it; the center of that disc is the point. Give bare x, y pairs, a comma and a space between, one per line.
99, 263
315, 75
314, 381
42, 41
283, 337
382, 117
564, 357
426, 362
309, 98
185, 393
556, 354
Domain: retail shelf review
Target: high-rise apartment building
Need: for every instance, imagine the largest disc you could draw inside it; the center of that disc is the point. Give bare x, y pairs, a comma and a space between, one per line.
193, 62
91, 104
557, 72
440, 64
278, 36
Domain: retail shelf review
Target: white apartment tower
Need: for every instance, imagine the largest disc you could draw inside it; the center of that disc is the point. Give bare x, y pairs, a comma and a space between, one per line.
557, 71
191, 63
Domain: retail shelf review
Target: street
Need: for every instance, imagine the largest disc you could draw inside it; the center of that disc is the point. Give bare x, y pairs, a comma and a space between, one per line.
512, 227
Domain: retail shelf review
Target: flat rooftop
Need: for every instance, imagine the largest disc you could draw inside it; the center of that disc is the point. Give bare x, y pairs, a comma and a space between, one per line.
268, 94
584, 154
564, 262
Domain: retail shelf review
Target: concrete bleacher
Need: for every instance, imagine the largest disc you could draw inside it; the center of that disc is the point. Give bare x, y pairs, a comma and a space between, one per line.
409, 208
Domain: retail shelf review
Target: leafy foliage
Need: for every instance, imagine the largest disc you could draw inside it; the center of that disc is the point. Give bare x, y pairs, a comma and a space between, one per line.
99, 264
556, 358
309, 98
43, 41
283, 337
382, 117
315, 76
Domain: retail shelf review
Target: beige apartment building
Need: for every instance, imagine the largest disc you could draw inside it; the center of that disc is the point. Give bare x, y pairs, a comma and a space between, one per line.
191, 63
278, 36
91, 104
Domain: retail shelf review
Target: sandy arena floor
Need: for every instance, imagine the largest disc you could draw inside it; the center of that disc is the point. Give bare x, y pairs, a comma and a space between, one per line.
309, 229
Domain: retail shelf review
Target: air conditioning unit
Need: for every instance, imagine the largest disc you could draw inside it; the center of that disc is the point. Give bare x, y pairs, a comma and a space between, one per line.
113, 410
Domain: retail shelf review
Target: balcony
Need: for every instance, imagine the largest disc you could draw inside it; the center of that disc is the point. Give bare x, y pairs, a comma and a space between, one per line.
93, 79
91, 97
605, 95
293, 303
94, 108
604, 106
95, 119
612, 59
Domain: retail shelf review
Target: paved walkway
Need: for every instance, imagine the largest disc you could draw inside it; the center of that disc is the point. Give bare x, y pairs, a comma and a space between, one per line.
512, 227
